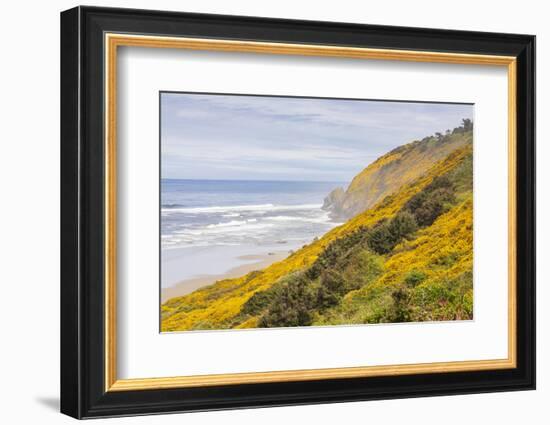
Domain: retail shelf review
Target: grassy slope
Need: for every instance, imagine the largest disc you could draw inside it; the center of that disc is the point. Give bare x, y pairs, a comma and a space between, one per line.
441, 255
216, 306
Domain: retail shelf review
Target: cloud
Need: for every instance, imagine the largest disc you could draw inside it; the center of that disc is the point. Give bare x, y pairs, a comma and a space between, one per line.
260, 137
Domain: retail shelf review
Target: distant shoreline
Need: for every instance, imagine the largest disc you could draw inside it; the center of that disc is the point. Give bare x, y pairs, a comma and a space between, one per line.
259, 262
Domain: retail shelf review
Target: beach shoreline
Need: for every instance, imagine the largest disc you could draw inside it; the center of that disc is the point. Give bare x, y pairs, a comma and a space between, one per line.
254, 262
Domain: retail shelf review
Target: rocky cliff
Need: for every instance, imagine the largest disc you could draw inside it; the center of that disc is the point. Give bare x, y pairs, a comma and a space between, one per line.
390, 172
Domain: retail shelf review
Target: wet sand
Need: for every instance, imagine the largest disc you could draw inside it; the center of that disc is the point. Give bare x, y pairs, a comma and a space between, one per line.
257, 262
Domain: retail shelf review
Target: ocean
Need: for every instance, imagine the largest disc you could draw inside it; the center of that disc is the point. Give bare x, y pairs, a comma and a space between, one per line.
204, 221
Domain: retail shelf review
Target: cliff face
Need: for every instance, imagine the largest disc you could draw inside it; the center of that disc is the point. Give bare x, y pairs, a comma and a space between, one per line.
390, 172
334, 201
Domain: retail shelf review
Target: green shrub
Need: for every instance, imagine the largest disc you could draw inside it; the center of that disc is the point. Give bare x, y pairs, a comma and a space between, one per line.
334, 252
380, 239
432, 201
260, 301
386, 234
332, 281
414, 278
443, 300
402, 226
362, 268
292, 306
331, 288
400, 311
446, 260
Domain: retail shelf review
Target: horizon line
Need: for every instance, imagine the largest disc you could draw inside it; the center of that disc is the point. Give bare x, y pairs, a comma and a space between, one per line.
255, 180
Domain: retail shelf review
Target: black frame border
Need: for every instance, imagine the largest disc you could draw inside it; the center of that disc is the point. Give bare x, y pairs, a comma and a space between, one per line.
82, 205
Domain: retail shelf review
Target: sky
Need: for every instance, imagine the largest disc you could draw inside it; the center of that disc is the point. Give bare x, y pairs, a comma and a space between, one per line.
235, 137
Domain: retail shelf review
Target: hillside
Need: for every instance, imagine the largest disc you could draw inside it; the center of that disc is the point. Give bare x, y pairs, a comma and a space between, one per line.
406, 258
393, 170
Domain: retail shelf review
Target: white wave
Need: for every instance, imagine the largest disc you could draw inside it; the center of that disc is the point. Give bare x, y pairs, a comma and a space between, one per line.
228, 224
245, 224
243, 228
282, 218
248, 227
287, 218
241, 208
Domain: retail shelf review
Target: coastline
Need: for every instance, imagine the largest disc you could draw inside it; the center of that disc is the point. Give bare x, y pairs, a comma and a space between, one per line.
253, 262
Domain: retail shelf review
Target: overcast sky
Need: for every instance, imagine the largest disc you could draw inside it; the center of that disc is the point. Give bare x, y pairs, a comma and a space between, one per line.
282, 138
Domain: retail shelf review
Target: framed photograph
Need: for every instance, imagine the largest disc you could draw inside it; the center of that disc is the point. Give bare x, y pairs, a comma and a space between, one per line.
261, 212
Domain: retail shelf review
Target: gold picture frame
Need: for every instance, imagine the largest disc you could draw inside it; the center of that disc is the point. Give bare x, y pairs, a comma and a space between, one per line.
114, 41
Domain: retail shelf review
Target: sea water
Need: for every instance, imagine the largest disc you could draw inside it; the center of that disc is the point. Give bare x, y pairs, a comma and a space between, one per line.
206, 225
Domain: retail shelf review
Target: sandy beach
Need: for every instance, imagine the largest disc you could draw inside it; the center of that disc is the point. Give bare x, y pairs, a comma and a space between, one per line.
253, 262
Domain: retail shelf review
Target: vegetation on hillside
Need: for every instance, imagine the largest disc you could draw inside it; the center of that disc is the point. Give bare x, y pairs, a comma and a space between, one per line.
407, 258
391, 171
